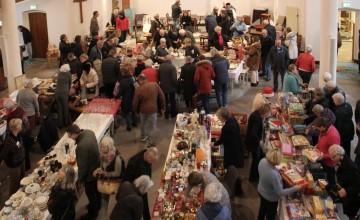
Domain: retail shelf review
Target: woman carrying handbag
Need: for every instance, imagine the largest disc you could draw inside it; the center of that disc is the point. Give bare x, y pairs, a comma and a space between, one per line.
109, 174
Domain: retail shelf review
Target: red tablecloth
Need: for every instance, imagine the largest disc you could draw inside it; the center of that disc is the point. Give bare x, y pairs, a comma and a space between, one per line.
103, 106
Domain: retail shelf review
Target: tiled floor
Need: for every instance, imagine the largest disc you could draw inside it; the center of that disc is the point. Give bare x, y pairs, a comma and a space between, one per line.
128, 143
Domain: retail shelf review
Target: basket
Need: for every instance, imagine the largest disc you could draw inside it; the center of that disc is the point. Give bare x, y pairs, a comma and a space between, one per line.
108, 185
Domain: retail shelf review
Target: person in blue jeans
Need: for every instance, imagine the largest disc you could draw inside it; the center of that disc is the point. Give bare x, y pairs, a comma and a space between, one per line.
221, 66
266, 44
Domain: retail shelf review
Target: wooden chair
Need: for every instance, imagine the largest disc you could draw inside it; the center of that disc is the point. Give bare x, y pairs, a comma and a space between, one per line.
52, 54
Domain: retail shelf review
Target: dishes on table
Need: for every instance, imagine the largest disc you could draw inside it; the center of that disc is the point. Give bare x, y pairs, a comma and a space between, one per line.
26, 181
41, 202
27, 202
32, 188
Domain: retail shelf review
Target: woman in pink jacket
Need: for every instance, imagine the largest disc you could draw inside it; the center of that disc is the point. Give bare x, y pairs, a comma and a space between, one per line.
123, 23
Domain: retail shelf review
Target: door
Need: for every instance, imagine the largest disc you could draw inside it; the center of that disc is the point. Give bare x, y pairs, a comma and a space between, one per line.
39, 32
125, 4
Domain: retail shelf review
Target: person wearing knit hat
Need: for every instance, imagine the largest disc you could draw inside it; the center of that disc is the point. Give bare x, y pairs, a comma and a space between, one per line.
262, 98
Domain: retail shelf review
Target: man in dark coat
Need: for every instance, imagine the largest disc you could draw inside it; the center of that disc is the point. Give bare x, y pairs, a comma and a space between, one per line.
225, 24
175, 13
319, 98
187, 75
64, 48
279, 59
88, 160
230, 138
348, 177
162, 34
140, 164
110, 69
168, 84
221, 66
266, 44
156, 25
27, 40
255, 137
271, 31
344, 124
210, 24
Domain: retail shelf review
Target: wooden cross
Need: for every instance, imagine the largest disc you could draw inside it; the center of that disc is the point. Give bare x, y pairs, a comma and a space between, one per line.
81, 12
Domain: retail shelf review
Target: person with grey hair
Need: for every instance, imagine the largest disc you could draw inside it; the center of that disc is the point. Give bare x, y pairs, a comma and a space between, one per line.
110, 69
219, 39
187, 76
63, 84
146, 50
112, 166
162, 33
326, 78
63, 196
161, 51
348, 181
191, 50
138, 165
27, 99
279, 59
108, 45
183, 34
306, 64
221, 66
212, 208
13, 155
130, 199
168, 84
150, 72
210, 24
325, 113
344, 123
230, 138
239, 27
317, 98
333, 89
96, 52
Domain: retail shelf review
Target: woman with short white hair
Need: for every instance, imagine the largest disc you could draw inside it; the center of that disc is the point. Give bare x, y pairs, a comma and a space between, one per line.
348, 178
63, 84
306, 64
344, 123
333, 89
130, 199
212, 208
112, 166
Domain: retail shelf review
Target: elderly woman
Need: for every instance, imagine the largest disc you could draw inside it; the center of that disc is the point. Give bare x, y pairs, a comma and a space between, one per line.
212, 208
150, 72
328, 136
291, 83
140, 65
13, 154
27, 99
161, 51
239, 27
254, 53
220, 39
112, 166
186, 21
89, 82
204, 73
306, 64
230, 138
187, 75
270, 186
183, 34
254, 138
333, 89
130, 199
326, 77
344, 123
126, 92
191, 50
348, 178
63, 196
145, 50
123, 23
291, 43
200, 180
318, 98
63, 84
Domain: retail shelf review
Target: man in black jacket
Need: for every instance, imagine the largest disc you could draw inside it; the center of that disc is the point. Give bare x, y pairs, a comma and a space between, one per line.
266, 44
88, 160
27, 41
221, 66
110, 69
175, 13
279, 59
140, 164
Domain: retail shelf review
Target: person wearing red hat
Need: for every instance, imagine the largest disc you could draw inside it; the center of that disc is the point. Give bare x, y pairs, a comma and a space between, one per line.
262, 98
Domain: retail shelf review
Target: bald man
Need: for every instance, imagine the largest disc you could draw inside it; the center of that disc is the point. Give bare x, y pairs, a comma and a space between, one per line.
279, 59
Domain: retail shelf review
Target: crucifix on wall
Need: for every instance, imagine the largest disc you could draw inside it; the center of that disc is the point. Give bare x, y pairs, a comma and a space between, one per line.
81, 12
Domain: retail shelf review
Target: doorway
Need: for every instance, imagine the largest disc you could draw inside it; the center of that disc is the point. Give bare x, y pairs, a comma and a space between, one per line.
39, 31
346, 21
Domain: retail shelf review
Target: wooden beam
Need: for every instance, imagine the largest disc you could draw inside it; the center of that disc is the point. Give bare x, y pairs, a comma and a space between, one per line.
81, 11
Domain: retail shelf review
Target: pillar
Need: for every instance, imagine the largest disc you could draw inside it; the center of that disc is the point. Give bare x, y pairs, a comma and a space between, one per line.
328, 38
10, 43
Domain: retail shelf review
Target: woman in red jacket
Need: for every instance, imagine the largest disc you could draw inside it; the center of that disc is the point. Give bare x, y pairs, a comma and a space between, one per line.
123, 23
329, 135
306, 64
204, 73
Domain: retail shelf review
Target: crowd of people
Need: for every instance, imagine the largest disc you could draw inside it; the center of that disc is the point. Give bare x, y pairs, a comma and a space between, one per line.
148, 91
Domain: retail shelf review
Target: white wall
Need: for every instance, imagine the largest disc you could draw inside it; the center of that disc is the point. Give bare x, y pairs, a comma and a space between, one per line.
63, 16
312, 26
